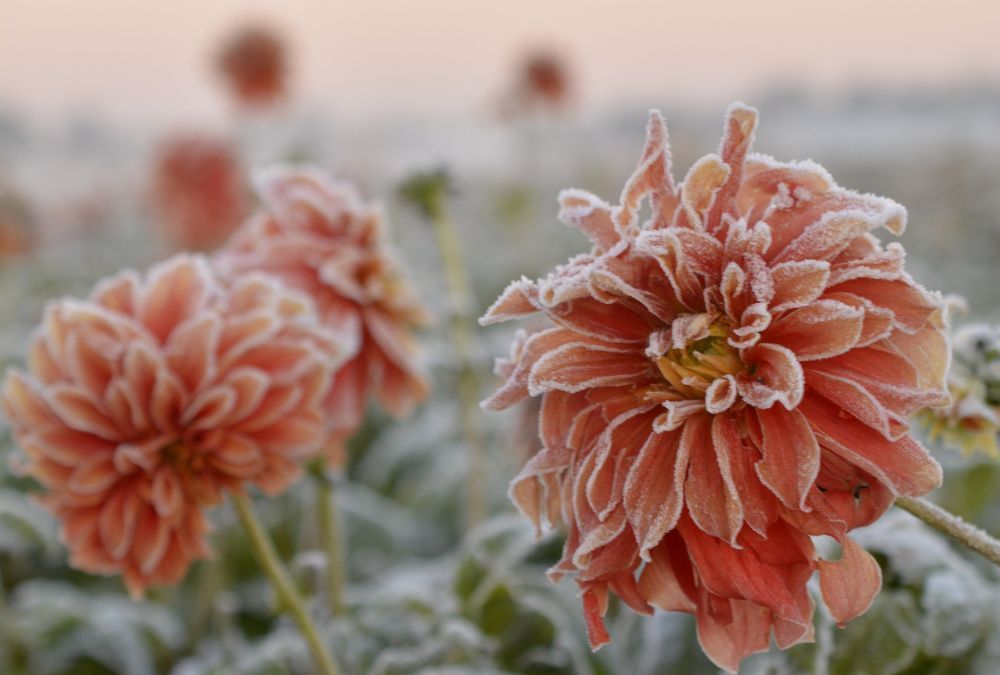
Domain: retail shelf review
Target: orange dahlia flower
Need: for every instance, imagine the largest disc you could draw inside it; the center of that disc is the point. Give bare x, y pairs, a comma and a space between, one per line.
724, 380
253, 61
316, 235
198, 191
144, 403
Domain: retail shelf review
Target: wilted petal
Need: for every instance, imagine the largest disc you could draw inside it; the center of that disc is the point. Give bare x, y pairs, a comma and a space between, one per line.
849, 585
903, 464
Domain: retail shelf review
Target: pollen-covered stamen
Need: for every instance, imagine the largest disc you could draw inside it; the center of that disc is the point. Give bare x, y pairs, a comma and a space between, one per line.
704, 358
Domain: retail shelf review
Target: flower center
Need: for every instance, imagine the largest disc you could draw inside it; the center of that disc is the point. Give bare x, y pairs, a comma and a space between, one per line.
185, 461
694, 354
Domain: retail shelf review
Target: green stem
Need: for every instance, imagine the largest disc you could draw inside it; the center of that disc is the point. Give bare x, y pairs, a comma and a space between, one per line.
329, 532
211, 579
461, 325
944, 521
288, 596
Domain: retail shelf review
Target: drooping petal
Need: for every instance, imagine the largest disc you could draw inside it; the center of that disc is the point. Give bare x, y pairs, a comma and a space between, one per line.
849, 585
904, 465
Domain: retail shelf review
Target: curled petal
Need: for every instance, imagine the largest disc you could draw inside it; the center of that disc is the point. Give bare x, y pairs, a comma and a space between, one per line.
518, 300
775, 376
849, 585
703, 180
721, 394
590, 215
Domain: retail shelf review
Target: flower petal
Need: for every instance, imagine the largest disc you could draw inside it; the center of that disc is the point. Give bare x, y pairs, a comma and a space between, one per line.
849, 585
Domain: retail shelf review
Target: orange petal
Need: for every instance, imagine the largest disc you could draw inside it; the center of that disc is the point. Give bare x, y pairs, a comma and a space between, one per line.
797, 284
903, 465
821, 330
849, 585
710, 495
577, 366
791, 455
654, 488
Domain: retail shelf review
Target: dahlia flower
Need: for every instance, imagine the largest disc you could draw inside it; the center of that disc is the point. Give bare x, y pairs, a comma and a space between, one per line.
149, 400
253, 61
722, 381
972, 420
317, 236
198, 191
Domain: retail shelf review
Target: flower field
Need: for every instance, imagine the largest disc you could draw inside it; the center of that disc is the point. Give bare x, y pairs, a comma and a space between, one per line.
313, 395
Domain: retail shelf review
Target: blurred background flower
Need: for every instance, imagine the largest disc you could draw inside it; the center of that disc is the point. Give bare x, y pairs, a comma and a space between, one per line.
253, 61
199, 193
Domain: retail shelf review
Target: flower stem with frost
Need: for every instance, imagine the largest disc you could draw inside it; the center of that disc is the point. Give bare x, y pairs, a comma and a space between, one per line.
429, 193
329, 534
965, 533
288, 596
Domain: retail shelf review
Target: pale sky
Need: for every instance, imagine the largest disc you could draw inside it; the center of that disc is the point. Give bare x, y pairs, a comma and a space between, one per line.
151, 59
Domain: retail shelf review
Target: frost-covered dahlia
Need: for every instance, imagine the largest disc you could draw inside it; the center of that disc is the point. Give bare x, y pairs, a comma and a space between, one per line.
972, 420
723, 379
316, 235
198, 191
143, 404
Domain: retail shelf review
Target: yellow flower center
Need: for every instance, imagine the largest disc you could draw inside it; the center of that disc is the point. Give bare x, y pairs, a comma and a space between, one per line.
690, 370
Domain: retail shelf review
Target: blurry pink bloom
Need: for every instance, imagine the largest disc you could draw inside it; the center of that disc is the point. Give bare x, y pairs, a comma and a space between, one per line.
146, 402
253, 61
723, 381
198, 191
317, 236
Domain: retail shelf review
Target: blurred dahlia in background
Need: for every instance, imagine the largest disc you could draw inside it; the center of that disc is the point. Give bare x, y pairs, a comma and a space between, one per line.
254, 63
318, 236
723, 381
18, 233
146, 402
198, 191
542, 84
972, 420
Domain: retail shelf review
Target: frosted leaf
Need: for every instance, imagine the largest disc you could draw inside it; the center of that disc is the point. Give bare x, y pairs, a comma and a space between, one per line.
955, 612
24, 525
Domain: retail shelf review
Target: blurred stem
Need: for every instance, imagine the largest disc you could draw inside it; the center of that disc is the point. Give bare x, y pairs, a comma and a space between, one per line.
211, 579
329, 533
965, 533
461, 325
288, 596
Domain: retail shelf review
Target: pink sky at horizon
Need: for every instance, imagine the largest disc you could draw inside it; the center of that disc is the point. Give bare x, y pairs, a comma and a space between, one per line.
152, 61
